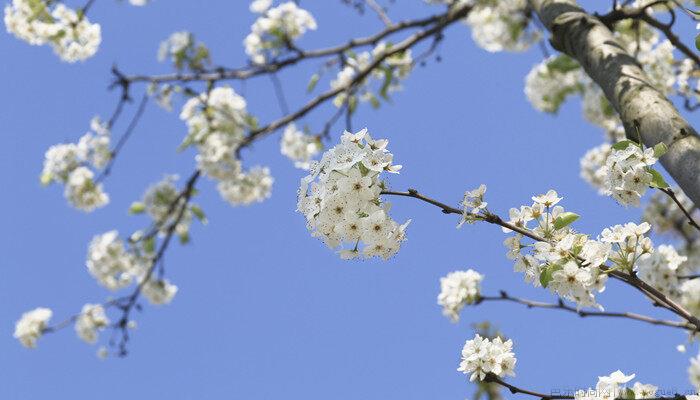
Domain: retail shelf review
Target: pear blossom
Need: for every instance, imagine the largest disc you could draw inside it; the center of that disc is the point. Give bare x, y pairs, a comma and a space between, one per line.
159, 291
70, 34
91, 320
340, 198
252, 186
592, 166
31, 326
549, 83
82, 192
275, 29
472, 204
109, 262
499, 25
627, 175
614, 386
458, 289
481, 356
299, 147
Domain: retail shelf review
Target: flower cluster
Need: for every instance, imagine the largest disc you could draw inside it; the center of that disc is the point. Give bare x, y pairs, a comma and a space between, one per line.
628, 244
549, 83
694, 372
275, 29
481, 356
184, 51
31, 326
299, 146
660, 269
70, 34
566, 262
91, 320
68, 164
116, 265
217, 121
627, 173
499, 25
340, 198
613, 387
394, 67
457, 289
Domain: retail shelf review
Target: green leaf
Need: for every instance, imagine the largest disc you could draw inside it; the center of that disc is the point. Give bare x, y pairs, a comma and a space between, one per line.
312, 82
697, 42
137, 207
149, 245
352, 104
363, 170
629, 394
563, 64
624, 144
546, 276
197, 211
657, 180
184, 237
565, 219
388, 77
660, 149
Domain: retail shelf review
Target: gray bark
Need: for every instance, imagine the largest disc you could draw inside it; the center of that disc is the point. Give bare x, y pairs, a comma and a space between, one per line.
583, 37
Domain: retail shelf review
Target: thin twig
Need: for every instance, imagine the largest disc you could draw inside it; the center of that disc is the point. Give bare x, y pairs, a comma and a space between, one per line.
560, 305
672, 195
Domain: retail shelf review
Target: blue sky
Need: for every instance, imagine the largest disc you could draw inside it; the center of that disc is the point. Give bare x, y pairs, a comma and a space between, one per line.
264, 310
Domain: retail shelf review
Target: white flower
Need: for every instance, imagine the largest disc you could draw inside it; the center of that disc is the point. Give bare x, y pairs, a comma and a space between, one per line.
82, 192
472, 204
694, 372
340, 198
613, 387
481, 356
260, 6
548, 200
59, 161
660, 269
109, 261
458, 289
690, 297
31, 326
644, 391
159, 291
138, 3
91, 320
162, 202
299, 147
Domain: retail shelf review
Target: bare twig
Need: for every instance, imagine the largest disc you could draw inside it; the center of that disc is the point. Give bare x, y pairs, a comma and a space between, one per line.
560, 305
672, 195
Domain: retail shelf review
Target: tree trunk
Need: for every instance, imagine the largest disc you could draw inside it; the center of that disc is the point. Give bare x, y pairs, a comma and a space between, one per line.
627, 87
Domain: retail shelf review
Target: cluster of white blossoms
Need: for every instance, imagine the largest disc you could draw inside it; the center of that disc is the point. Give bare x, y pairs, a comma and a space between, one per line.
499, 25
70, 34
628, 244
614, 387
394, 67
31, 326
183, 51
275, 29
299, 146
627, 172
660, 269
115, 266
481, 356
549, 82
457, 289
340, 198
91, 320
67, 163
216, 123
110, 262
556, 262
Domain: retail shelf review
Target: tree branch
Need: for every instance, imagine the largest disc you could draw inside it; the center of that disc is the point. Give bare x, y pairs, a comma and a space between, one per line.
627, 87
560, 305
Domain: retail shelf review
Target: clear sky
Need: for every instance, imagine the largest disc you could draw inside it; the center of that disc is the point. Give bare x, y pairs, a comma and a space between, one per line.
265, 311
